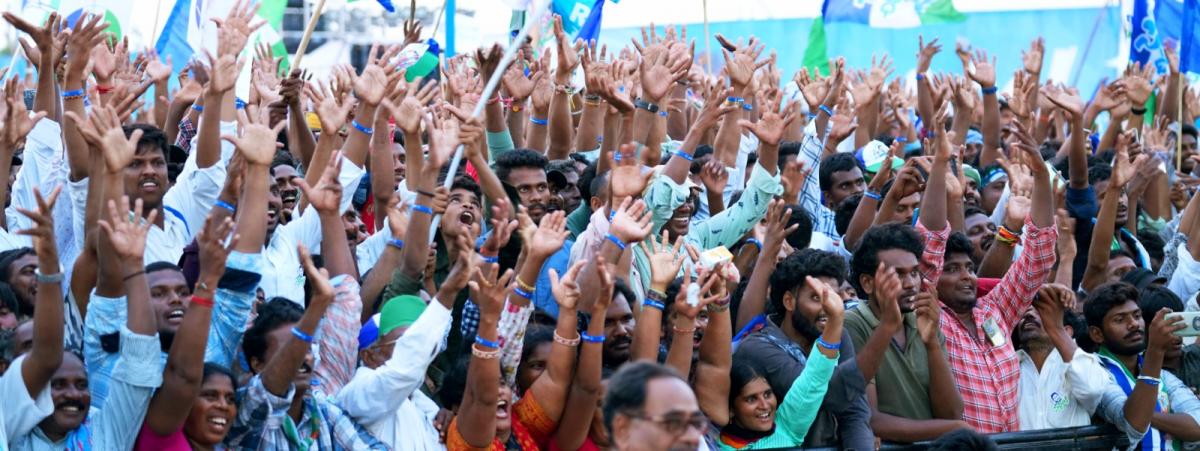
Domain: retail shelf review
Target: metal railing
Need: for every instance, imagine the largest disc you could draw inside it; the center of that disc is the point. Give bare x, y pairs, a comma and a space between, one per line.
1084, 437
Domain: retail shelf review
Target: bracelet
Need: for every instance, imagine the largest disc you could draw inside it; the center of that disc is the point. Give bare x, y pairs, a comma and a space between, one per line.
591, 338
1151, 381
198, 108
811, 116
479, 340
824, 109
396, 243
734, 100
202, 301
226, 205
755, 242
1006, 236
747, 107
664, 113
653, 303
566, 342
516, 108
492, 259
103, 89
642, 104
133, 274
872, 195
301, 335
523, 293
655, 295
677, 330
989, 91
239, 103
565, 89
422, 209
828, 345
920, 77
616, 241
486, 355
718, 307
538, 121
523, 285
425, 193
362, 128
201, 286
72, 94
493, 99
1136, 111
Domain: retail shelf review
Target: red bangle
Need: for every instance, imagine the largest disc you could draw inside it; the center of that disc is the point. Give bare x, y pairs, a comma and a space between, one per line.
104, 89
206, 302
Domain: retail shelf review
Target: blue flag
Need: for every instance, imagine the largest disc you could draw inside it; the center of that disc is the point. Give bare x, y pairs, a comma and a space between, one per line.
1189, 57
590, 31
173, 40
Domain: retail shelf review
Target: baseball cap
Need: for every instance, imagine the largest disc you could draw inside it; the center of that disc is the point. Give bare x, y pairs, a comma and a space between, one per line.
873, 154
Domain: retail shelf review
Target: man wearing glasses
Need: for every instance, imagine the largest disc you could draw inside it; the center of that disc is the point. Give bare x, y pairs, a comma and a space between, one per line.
649, 407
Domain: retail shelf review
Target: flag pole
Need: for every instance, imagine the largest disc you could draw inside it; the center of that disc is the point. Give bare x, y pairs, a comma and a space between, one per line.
17, 54
707, 37
308, 31
154, 31
1179, 120
509, 55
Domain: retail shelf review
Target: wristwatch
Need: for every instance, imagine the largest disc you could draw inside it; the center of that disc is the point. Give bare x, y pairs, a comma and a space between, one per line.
49, 278
651, 107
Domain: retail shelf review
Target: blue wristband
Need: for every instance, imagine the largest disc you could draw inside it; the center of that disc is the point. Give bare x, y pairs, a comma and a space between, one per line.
396, 243
492, 259
591, 338
663, 113
422, 209
1151, 381
522, 293
747, 107
920, 77
872, 195
301, 335
652, 303
198, 108
826, 110
902, 139
362, 128
239, 103
828, 345
756, 243
227, 206
72, 94
538, 121
811, 116
486, 343
616, 241
734, 99
990, 91
684, 155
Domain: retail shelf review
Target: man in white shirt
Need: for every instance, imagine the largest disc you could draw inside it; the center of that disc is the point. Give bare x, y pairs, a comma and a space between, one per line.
385, 397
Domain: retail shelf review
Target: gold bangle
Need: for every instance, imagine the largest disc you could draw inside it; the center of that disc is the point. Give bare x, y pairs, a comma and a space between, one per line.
524, 286
566, 342
486, 355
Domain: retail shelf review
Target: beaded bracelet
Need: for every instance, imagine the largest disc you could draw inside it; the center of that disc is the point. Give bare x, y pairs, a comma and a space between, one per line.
564, 341
486, 355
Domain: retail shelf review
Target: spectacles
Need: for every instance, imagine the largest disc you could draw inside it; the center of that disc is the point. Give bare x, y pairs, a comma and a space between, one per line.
677, 423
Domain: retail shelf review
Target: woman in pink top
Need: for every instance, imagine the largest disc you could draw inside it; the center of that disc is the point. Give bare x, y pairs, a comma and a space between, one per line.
207, 423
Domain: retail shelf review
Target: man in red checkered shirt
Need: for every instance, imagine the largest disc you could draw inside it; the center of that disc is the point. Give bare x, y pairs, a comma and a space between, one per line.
978, 330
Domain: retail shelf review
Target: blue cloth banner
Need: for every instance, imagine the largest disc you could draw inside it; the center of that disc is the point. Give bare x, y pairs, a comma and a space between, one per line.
173, 39
590, 30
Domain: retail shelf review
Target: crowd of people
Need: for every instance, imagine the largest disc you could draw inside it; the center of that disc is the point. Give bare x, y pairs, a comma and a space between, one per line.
635, 253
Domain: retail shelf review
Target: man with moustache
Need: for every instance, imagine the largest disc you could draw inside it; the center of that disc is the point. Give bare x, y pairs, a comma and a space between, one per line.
914, 372
1061, 384
1116, 324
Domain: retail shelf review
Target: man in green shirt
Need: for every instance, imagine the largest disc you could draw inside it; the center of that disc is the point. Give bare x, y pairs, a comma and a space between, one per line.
914, 372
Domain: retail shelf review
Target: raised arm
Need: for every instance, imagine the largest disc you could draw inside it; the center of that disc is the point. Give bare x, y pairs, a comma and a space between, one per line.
933, 205
716, 354
925, 54
87, 35
551, 388
281, 368
47, 352
586, 389
944, 399
1101, 245
1140, 406
562, 124
665, 261
326, 198
476, 422
754, 298
379, 77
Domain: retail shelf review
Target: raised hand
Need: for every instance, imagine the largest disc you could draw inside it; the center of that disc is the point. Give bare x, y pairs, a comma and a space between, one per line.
87, 34
550, 235
216, 240
711, 289
397, 217
1032, 59
741, 64
502, 229
774, 121
489, 291
322, 289
370, 87
103, 130
566, 290
887, 294
17, 122
488, 60
518, 85
43, 37
127, 232
665, 260
258, 140
661, 66
813, 87
225, 70
631, 221
714, 176
235, 28
776, 229
333, 111
568, 52
412, 32
985, 71
1051, 301
925, 53
326, 197
1137, 83
42, 232
831, 303
1063, 98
